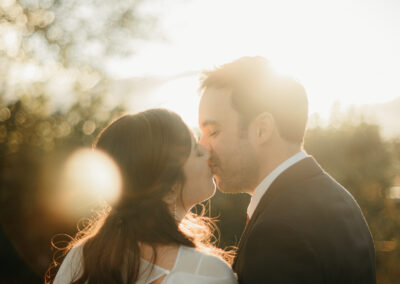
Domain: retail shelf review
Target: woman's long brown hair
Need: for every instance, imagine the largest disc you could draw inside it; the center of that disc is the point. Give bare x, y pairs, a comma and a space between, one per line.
150, 149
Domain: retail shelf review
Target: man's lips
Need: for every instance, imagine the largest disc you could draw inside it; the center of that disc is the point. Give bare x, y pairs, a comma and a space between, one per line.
213, 168
212, 163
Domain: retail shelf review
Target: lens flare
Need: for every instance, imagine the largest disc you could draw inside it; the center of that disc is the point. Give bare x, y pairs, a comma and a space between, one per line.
89, 177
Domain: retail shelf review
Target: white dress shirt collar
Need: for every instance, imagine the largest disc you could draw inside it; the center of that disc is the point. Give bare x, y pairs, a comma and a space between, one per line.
262, 188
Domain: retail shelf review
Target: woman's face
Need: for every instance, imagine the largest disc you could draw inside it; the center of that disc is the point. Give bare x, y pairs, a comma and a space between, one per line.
199, 185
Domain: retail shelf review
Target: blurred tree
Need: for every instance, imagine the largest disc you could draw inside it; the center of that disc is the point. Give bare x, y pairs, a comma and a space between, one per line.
396, 151
54, 97
361, 161
32, 148
61, 49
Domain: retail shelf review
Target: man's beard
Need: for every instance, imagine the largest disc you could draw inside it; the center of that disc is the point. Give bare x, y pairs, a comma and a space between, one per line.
239, 174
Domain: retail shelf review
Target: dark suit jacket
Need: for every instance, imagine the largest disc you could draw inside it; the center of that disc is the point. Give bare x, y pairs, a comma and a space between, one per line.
307, 228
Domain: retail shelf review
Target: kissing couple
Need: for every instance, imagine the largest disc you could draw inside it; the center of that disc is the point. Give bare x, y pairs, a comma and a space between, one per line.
303, 226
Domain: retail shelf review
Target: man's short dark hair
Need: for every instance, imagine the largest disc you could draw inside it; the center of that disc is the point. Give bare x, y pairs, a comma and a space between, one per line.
256, 88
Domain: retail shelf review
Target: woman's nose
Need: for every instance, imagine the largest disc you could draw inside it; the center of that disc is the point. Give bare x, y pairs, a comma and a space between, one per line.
204, 151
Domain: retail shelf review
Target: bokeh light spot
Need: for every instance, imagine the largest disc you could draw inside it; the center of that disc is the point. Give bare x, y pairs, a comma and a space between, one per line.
88, 177
6, 3
4, 114
63, 129
88, 127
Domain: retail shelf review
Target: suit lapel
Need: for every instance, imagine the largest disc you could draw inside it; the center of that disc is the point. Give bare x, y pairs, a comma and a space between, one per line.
303, 169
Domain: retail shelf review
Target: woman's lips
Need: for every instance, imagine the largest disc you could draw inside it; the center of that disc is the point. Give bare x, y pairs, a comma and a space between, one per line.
213, 166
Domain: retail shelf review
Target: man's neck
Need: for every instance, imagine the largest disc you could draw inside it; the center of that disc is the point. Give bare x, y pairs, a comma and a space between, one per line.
272, 159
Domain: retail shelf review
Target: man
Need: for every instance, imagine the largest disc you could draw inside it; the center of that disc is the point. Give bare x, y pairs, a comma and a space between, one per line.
303, 227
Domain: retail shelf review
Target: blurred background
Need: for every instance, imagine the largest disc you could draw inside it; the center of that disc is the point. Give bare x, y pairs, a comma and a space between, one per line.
67, 68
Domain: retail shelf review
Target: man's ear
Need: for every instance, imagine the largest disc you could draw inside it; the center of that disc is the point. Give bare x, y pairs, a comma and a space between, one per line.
262, 127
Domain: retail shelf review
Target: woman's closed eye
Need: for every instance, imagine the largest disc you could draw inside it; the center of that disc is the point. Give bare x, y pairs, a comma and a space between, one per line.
200, 151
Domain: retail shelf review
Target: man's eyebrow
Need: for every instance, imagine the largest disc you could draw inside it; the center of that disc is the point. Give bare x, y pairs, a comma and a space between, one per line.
210, 122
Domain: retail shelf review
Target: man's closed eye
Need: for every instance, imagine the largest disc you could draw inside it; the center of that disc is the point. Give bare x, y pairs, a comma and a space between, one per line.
214, 133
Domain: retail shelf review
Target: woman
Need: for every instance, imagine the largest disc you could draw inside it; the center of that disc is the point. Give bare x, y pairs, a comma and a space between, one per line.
150, 236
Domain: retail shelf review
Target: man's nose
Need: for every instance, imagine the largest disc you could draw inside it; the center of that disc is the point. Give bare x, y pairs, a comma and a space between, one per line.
204, 142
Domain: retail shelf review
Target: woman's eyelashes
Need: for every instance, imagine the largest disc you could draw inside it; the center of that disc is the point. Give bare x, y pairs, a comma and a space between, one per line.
199, 152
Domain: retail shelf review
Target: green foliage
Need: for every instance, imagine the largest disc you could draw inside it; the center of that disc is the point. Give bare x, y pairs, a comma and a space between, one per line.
357, 157
33, 145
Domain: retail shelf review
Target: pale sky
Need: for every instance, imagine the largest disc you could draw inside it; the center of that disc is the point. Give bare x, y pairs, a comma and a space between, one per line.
341, 51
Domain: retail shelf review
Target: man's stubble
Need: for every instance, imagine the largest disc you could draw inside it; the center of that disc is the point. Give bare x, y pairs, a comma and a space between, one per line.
239, 171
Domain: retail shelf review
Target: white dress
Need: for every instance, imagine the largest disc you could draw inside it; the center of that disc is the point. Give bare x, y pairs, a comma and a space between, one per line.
191, 266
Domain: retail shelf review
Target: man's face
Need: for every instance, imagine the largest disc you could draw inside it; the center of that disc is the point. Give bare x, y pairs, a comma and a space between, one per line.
233, 160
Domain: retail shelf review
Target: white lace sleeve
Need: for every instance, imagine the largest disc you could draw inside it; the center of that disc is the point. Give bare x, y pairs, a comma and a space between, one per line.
71, 268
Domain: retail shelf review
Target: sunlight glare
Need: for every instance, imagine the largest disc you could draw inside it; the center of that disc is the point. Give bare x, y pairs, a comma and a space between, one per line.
9, 39
181, 97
